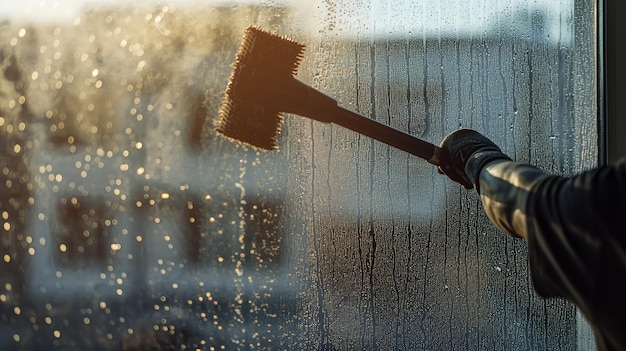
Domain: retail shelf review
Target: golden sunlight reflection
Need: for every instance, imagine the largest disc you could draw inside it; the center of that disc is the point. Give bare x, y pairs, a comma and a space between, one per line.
133, 218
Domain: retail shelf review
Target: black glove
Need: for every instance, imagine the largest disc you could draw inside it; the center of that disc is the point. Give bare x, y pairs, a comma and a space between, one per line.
465, 153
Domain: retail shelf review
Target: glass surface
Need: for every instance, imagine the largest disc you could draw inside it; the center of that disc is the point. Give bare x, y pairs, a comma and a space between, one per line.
127, 223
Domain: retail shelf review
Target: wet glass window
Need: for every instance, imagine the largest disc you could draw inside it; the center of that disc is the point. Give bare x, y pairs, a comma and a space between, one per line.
128, 223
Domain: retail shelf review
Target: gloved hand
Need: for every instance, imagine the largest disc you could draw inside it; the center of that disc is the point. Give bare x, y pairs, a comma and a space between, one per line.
465, 153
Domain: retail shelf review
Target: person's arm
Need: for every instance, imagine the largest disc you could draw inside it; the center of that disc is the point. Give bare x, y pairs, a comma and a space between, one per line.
504, 188
474, 161
576, 246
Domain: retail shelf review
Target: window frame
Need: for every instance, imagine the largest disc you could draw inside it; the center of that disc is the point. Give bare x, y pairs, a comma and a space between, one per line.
610, 83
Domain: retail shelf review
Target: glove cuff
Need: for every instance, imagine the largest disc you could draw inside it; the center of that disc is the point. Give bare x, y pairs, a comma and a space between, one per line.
478, 160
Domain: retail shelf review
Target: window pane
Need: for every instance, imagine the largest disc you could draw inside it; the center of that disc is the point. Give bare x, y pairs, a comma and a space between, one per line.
128, 223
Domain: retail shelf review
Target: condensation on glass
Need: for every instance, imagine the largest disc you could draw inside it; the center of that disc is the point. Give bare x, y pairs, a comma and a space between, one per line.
128, 224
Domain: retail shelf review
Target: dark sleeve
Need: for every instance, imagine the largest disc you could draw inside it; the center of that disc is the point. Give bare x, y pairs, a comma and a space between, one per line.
576, 243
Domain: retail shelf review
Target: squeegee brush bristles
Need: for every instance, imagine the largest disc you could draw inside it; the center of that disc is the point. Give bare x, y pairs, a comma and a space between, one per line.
263, 63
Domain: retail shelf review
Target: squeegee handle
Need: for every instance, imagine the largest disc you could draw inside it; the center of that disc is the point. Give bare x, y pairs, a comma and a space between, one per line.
299, 98
388, 135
